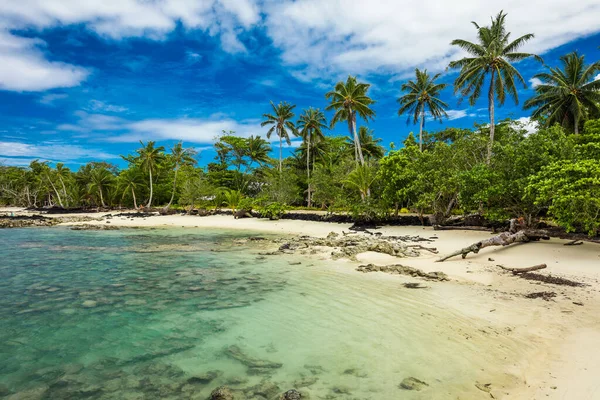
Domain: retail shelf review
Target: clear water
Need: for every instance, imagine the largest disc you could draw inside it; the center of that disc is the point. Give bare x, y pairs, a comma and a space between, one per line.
146, 314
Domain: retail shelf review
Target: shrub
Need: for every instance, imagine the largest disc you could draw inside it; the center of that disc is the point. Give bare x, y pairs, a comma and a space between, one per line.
273, 211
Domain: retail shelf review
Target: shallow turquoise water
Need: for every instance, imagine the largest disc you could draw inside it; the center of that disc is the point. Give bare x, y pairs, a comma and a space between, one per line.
149, 314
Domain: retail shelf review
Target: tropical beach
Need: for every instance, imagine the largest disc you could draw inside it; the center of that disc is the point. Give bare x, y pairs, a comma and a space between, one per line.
295, 200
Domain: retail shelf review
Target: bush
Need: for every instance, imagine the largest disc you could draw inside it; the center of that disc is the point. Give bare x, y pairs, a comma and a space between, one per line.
404, 210
246, 204
273, 211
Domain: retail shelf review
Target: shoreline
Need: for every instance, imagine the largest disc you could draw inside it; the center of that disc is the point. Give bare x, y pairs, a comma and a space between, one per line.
563, 330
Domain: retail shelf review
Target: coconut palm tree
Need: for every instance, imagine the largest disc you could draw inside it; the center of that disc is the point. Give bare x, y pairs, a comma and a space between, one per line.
422, 93
100, 180
311, 125
281, 119
370, 146
128, 180
568, 95
258, 150
149, 158
491, 56
349, 99
180, 157
361, 178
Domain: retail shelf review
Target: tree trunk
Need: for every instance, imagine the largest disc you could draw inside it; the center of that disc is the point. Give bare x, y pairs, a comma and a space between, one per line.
174, 186
150, 199
133, 194
576, 126
101, 197
280, 154
63, 186
356, 138
492, 123
503, 239
308, 168
55, 191
421, 129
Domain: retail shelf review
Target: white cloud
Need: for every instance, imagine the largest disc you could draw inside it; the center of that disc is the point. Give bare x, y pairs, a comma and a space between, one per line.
96, 105
527, 124
349, 36
597, 77
457, 114
50, 99
24, 67
51, 151
535, 82
194, 130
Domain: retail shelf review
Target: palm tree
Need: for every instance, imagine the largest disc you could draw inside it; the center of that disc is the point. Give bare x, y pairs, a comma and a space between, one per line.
128, 180
281, 121
311, 125
368, 144
149, 158
362, 177
100, 179
492, 55
63, 172
180, 157
567, 96
258, 150
349, 99
420, 94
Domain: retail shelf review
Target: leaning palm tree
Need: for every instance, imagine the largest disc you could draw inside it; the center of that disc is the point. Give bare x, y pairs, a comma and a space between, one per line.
422, 93
348, 99
491, 56
128, 180
311, 125
569, 95
180, 157
281, 121
100, 181
149, 158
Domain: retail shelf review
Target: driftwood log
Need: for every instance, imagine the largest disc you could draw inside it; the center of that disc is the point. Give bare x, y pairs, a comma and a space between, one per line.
516, 271
503, 239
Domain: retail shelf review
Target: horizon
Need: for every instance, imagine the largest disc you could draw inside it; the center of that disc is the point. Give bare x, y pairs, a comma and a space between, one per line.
87, 82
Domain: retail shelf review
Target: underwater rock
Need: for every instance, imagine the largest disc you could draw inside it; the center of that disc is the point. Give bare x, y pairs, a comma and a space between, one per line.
89, 304
222, 393
90, 227
340, 390
413, 384
251, 362
355, 372
403, 270
291, 394
265, 389
37, 393
205, 378
305, 381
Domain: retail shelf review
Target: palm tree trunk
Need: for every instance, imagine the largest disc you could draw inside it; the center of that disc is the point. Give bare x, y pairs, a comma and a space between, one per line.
63, 186
55, 191
133, 194
308, 168
101, 197
280, 154
576, 126
492, 123
421, 129
150, 199
174, 186
356, 139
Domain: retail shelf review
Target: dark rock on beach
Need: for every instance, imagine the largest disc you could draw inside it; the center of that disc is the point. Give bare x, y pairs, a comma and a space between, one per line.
404, 270
413, 384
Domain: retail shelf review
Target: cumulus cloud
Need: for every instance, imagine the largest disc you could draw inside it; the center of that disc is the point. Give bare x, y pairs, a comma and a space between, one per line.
50, 151
457, 114
527, 124
349, 36
24, 67
535, 82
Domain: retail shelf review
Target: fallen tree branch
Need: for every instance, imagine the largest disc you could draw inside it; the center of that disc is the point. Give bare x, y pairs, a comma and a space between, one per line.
503, 239
575, 242
460, 228
521, 270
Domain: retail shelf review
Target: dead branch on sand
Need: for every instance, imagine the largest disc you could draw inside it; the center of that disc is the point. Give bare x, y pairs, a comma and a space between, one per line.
522, 270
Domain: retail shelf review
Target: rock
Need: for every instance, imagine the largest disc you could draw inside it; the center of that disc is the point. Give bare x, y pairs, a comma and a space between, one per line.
89, 304
265, 389
222, 393
413, 384
340, 390
291, 394
37, 393
90, 227
305, 381
355, 372
205, 378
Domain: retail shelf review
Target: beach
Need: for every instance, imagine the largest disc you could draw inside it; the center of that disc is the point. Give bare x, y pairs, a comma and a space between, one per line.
558, 335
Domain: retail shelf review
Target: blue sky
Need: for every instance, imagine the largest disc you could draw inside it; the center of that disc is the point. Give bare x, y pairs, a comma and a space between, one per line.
83, 81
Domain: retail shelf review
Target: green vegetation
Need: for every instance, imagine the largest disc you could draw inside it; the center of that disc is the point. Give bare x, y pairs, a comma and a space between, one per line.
497, 170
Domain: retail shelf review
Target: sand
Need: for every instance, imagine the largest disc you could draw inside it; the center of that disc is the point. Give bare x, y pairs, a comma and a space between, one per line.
564, 357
